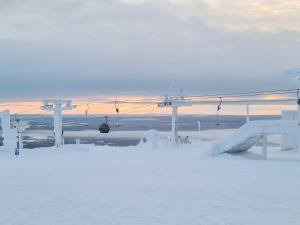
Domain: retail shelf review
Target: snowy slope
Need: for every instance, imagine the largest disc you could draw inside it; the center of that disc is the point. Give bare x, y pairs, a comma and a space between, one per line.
87, 185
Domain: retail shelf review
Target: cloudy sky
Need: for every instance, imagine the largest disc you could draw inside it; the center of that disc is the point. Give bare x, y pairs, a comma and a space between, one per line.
138, 47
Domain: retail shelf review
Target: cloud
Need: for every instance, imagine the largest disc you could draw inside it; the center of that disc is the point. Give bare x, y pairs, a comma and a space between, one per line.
81, 46
239, 16
134, 2
33, 20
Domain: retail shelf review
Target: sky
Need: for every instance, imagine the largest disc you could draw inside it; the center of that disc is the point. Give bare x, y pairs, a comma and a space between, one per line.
34, 107
82, 48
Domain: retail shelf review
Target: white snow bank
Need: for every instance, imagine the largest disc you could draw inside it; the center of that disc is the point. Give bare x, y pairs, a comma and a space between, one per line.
84, 184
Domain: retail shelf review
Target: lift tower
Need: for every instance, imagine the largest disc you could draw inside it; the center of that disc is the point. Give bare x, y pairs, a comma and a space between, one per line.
174, 102
57, 107
9, 134
295, 73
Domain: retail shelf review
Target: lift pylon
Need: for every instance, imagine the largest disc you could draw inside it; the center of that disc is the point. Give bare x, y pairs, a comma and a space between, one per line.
174, 102
57, 107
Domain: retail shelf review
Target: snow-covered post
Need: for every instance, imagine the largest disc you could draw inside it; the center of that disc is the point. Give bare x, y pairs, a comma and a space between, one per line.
295, 73
199, 128
5, 122
248, 113
77, 141
289, 141
9, 134
57, 107
174, 125
57, 117
199, 125
20, 139
264, 147
21, 126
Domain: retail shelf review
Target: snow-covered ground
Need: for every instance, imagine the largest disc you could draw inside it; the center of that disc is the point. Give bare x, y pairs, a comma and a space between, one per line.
86, 185
205, 134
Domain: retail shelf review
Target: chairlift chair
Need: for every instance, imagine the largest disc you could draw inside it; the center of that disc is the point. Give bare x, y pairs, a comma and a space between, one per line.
219, 107
117, 124
104, 127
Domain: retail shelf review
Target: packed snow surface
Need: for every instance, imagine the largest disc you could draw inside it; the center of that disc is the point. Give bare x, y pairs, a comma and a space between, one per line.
88, 185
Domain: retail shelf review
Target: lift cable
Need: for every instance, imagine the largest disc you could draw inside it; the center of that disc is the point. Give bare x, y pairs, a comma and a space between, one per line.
245, 94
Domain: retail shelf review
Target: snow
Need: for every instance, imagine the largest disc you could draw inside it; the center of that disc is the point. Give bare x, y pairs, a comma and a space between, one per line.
249, 134
86, 184
203, 135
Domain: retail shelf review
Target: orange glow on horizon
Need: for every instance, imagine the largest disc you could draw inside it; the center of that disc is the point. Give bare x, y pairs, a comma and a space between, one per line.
149, 108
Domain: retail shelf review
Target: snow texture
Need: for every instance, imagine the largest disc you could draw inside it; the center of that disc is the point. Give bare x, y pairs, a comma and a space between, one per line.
85, 184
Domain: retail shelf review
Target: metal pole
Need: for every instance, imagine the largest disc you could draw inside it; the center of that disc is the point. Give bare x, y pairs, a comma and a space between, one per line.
20, 140
174, 128
199, 125
248, 113
264, 147
57, 125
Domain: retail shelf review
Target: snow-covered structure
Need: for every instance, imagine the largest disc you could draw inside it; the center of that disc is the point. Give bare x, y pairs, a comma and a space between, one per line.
289, 142
9, 134
252, 132
20, 127
57, 107
174, 102
151, 139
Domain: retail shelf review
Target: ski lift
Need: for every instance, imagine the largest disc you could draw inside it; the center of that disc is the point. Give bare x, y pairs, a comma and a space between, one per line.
86, 115
118, 113
219, 107
116, 108
104, 127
